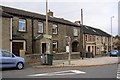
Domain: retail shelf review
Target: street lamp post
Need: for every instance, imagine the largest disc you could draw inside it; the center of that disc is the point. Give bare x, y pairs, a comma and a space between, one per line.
111, 30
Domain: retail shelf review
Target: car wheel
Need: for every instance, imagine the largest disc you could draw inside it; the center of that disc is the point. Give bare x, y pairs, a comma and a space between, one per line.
20, 65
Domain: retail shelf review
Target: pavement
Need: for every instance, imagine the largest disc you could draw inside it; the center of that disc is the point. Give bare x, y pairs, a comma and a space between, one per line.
86, 62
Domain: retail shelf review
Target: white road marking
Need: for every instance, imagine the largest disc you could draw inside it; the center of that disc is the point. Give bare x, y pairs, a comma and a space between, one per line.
118, 72
69, 72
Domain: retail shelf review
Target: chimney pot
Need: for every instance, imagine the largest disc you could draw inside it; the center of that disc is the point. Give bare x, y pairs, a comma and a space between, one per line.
77, 22
50, 13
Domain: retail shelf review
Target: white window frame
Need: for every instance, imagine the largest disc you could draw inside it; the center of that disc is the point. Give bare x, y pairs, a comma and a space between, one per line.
55, 43
24, 27
55, 26
75, 31
40, 24
86, 37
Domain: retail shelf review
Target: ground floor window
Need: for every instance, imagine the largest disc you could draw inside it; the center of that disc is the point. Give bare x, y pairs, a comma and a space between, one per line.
55, 45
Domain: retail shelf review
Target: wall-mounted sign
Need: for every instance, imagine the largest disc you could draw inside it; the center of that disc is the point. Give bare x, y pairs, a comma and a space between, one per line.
67, 49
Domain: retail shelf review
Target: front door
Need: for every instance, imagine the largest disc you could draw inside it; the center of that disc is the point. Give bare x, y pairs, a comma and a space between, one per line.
44, 47
16, 47
88, 48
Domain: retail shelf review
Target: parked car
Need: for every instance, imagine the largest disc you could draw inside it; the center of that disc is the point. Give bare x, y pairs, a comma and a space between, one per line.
9, 60
114, 53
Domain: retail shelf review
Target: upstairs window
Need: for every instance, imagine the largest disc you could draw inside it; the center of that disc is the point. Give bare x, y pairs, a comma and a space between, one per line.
90, 38
75, 32
106, 39
54, 29
86, 37
40, 27
94, 38
101, 39
22, 25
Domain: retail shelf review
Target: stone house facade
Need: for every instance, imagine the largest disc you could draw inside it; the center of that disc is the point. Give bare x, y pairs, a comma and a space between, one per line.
29, 29
5, 33
23, 30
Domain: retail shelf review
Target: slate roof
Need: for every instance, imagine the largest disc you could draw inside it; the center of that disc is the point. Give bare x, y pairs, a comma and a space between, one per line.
3, 14
94, 31
9, 12
23, 13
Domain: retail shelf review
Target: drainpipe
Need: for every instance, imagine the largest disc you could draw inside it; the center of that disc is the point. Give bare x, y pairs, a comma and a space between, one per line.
33, 37
11, 34
0, 32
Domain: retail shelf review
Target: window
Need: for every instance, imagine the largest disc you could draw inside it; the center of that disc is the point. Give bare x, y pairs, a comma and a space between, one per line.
40, 27
22, 25
55, 45
6, 54
86, 27
101, 39
94, 38
85, 37
54, 29
106, 40
93, 30
90, 38
75, 32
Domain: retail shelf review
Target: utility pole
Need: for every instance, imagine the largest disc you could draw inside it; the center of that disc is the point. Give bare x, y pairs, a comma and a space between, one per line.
82, 16
82, 35
111, 30
46, 17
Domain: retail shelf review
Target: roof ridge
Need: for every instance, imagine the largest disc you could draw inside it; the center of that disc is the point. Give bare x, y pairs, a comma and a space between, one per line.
36, 15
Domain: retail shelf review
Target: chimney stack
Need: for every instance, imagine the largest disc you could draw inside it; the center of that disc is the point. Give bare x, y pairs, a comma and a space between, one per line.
77, 22
50, 13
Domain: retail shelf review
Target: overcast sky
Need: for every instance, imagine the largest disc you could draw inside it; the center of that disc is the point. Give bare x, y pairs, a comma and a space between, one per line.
96, 13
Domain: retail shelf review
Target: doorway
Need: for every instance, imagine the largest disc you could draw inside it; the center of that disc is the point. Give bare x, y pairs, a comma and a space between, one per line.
16, 47
75, 46
44, 47
88, 48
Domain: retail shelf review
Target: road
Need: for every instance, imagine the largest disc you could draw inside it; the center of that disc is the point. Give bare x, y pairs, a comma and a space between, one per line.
106, 71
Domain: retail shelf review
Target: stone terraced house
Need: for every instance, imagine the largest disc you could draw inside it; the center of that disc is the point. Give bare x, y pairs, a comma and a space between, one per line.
28, 31
24, 30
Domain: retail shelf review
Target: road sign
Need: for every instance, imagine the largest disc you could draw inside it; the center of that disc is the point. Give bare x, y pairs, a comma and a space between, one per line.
67, 49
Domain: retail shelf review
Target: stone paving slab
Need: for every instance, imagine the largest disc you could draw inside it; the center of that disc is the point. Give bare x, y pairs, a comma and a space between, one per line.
86, 62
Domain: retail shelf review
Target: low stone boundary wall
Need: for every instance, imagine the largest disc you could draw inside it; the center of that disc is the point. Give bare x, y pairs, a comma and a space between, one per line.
64, 56
31, 58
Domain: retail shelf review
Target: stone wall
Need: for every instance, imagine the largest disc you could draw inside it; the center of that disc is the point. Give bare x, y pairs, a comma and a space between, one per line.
64, 56
6, 33
31, 58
